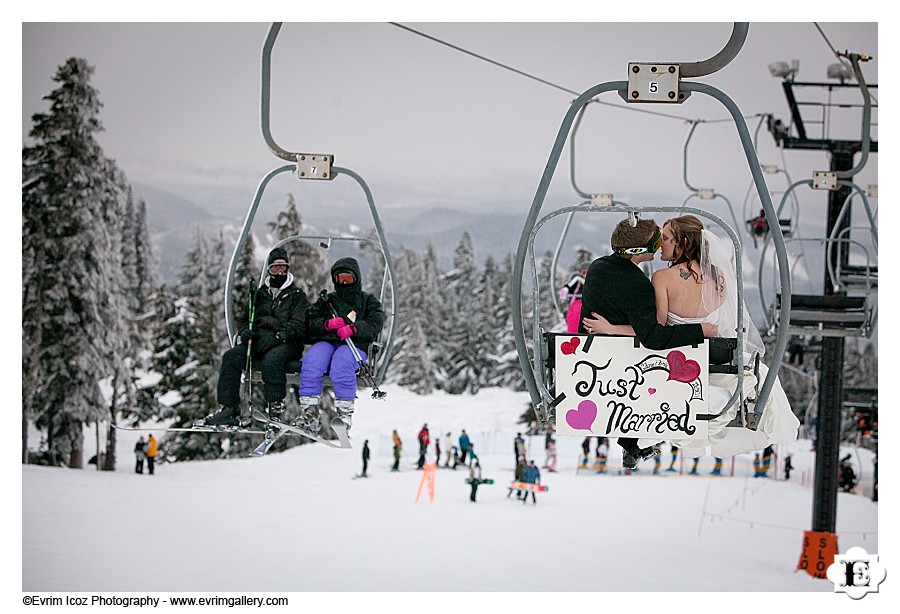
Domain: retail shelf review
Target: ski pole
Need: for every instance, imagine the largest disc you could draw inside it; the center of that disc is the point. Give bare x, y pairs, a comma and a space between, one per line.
248, 370
363, 369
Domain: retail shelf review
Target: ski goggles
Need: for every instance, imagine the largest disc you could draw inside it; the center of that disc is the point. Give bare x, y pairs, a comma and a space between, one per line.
651, 247
278, 269
344, 278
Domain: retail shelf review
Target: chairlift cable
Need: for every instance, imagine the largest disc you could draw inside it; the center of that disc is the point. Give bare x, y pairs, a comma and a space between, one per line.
555, 85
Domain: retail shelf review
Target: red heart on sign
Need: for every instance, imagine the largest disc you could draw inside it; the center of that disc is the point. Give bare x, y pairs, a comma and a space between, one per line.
569, 347
681, 369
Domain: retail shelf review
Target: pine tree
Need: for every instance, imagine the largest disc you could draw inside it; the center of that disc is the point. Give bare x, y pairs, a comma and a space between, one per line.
145, 263
412, 365
199, 348
306, 261
548, 315
435, 307
505, 359
486, 329
74, 331
246, 281
462, 363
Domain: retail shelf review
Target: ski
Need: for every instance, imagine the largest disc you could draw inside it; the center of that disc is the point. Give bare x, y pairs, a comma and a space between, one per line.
193, 429
267, 443
337, 426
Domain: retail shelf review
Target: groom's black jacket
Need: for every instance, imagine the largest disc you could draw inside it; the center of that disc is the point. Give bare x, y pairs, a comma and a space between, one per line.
618, 290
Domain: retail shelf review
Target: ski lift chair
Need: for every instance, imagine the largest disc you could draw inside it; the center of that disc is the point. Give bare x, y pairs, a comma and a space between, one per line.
313, 167
653, 83
376, 357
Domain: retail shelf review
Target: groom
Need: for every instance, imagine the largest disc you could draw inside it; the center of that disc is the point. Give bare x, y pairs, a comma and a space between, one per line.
617, 289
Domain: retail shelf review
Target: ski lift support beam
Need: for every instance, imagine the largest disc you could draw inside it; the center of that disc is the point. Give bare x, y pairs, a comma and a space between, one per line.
830, 388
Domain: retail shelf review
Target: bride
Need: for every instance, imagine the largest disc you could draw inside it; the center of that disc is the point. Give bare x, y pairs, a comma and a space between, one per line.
699, 285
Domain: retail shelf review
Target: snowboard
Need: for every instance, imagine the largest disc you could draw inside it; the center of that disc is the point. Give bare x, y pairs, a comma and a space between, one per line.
523, 486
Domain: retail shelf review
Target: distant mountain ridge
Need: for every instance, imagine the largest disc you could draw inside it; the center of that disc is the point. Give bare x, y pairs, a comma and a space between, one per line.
174, 223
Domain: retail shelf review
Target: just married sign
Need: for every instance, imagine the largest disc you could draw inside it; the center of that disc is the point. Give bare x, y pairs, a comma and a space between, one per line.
606, 386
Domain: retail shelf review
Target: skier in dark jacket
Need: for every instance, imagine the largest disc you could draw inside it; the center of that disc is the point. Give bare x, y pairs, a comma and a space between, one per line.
365, 459
359, 318
424, 439
279, 327
532, 476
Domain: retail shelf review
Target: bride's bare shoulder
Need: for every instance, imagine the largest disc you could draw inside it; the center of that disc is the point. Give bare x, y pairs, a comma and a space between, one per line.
661, 276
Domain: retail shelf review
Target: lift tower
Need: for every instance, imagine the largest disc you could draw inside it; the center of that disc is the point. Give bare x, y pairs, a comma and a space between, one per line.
831, 385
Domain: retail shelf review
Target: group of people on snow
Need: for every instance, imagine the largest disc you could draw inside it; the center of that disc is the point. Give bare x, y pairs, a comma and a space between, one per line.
145, 451
280, 323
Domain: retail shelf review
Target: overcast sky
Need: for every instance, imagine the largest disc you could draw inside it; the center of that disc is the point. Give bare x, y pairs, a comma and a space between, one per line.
427, 125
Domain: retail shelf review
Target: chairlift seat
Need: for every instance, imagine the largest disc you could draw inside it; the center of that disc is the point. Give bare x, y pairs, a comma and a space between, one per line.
823, 313
859, 276
722, 355
785, 227
292, 369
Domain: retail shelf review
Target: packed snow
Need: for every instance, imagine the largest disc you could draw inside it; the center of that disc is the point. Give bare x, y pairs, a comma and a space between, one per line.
301, 522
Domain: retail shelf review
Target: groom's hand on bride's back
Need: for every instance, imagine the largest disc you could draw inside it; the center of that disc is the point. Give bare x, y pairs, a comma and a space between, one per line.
709, 329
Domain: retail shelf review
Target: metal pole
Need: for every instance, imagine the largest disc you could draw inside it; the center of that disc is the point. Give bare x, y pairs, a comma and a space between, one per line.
831, 382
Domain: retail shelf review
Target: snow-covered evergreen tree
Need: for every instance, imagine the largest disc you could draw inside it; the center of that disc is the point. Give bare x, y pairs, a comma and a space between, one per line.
461, 283
486, 327
436, 308
74, 331
549, 317
505, 359
306, 261
199, 321
246, 280
412, 365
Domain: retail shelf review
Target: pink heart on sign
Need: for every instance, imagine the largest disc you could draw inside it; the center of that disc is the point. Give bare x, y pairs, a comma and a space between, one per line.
681, 369
651, 390
569, 347
583, 417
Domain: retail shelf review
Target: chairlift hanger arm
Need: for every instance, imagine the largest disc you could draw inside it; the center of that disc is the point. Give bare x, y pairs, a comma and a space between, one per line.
721, 59
309, 165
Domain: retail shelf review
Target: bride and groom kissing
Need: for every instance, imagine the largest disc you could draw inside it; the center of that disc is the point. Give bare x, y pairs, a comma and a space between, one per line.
693, 298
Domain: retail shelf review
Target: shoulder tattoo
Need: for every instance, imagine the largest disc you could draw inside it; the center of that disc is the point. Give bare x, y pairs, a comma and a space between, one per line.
683, 273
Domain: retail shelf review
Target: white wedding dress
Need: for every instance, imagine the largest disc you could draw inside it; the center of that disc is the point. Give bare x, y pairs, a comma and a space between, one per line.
777, 424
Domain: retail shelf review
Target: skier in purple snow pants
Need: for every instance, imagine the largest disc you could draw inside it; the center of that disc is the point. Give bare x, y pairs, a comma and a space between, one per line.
359, 317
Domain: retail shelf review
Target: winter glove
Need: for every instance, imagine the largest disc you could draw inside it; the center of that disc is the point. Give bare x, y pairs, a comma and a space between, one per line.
563, 293
281, 336
334, 323
247, 335
266, 343
346, 331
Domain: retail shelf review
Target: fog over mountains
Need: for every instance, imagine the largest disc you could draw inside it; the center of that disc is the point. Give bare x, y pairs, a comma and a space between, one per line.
495, 229
175, 222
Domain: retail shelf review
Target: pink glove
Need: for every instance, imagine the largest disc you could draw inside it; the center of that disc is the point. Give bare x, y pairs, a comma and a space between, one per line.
346, 331
334, 323
563, 293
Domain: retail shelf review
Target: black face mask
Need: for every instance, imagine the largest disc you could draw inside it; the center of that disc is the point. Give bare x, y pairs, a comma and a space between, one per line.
276, 281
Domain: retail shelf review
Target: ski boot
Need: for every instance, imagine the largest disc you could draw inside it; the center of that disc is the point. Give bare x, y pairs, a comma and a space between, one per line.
226, 416
344, 410
308, 418
630, 461
276, 411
